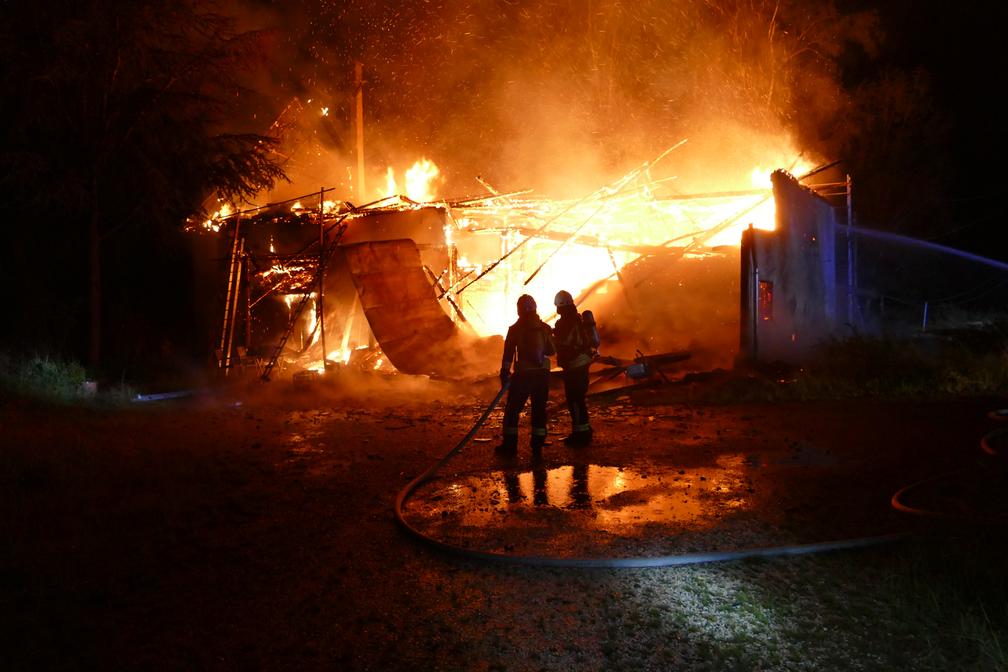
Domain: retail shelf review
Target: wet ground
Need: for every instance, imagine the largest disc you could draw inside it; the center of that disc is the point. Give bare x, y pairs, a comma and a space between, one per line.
668, 479
246, 527
590, 509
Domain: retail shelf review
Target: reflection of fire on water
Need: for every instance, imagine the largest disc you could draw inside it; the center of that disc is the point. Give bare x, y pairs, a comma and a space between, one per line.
611, 499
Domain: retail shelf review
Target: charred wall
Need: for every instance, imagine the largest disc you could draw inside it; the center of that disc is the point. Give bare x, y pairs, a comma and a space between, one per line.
792, 289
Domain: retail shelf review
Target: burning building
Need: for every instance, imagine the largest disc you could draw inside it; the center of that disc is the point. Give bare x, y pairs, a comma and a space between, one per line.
427, 286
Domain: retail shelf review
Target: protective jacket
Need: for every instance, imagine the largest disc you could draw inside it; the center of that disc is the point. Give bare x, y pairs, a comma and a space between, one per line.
528, 345
575, 341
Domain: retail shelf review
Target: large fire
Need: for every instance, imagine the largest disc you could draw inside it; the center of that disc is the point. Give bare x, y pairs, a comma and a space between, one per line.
548, 245
503, 245
419, 182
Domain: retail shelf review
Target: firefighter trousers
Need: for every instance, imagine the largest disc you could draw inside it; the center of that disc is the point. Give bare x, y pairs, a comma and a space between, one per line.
525, 384
575, 390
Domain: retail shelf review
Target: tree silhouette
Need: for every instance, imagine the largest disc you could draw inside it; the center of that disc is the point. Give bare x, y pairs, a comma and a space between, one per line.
124, 114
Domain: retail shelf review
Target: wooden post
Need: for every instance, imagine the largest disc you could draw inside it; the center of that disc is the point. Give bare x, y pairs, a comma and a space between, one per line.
453, 274
359, 85
230, 289
94, 288
233, 308
248, 304
321, 274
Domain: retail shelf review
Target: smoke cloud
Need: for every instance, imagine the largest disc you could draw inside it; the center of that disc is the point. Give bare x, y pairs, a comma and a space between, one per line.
560, 96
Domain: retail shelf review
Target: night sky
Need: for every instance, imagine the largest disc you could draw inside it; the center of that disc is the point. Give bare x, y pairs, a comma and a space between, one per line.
957, 49
564, 96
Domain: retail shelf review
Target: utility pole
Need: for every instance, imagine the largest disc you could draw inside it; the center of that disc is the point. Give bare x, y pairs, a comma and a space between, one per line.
321, 276
359, 85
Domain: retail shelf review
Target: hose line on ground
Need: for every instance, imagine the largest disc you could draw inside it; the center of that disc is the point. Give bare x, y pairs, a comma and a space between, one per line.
897, 498
987, 442
612, 563
988, 446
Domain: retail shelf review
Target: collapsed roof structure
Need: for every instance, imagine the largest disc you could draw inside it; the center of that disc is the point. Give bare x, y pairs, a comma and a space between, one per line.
429, 287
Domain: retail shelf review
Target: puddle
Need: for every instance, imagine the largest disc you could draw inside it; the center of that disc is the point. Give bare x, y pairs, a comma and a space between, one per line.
305, 440
580, 499
298, 445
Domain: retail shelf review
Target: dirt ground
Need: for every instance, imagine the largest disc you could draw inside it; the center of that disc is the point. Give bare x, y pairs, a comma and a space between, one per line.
252, 528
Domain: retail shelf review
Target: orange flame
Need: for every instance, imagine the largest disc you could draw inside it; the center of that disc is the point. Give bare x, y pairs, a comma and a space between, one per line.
585, 243
419, 183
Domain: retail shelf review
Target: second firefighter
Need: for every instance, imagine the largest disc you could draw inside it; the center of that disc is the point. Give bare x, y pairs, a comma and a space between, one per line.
577, 340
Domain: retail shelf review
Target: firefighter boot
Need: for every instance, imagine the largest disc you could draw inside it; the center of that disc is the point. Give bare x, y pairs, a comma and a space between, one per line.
538, 441
508, 445
579, 437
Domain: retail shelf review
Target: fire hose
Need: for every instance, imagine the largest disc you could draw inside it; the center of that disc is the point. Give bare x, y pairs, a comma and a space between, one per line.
610, 562
987, 445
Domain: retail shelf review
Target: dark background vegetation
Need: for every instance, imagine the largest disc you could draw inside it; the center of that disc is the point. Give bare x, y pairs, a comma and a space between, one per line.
121, 119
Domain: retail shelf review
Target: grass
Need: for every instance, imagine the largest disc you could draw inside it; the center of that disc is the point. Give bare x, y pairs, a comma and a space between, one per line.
940, 365
952, 363
56, 380
932, 604
43, 376
956, 591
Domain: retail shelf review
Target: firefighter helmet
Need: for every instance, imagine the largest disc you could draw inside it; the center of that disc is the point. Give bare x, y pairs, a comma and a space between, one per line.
526, 304
563, 298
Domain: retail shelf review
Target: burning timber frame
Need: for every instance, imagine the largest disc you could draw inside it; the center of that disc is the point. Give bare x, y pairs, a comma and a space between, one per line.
300, 269
312, 274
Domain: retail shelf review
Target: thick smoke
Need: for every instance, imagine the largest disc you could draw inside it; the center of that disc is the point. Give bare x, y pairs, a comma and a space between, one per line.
561, 97
672, 303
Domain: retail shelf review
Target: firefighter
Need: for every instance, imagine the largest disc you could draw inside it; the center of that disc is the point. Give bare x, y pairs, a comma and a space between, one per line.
528, 347
577, 341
